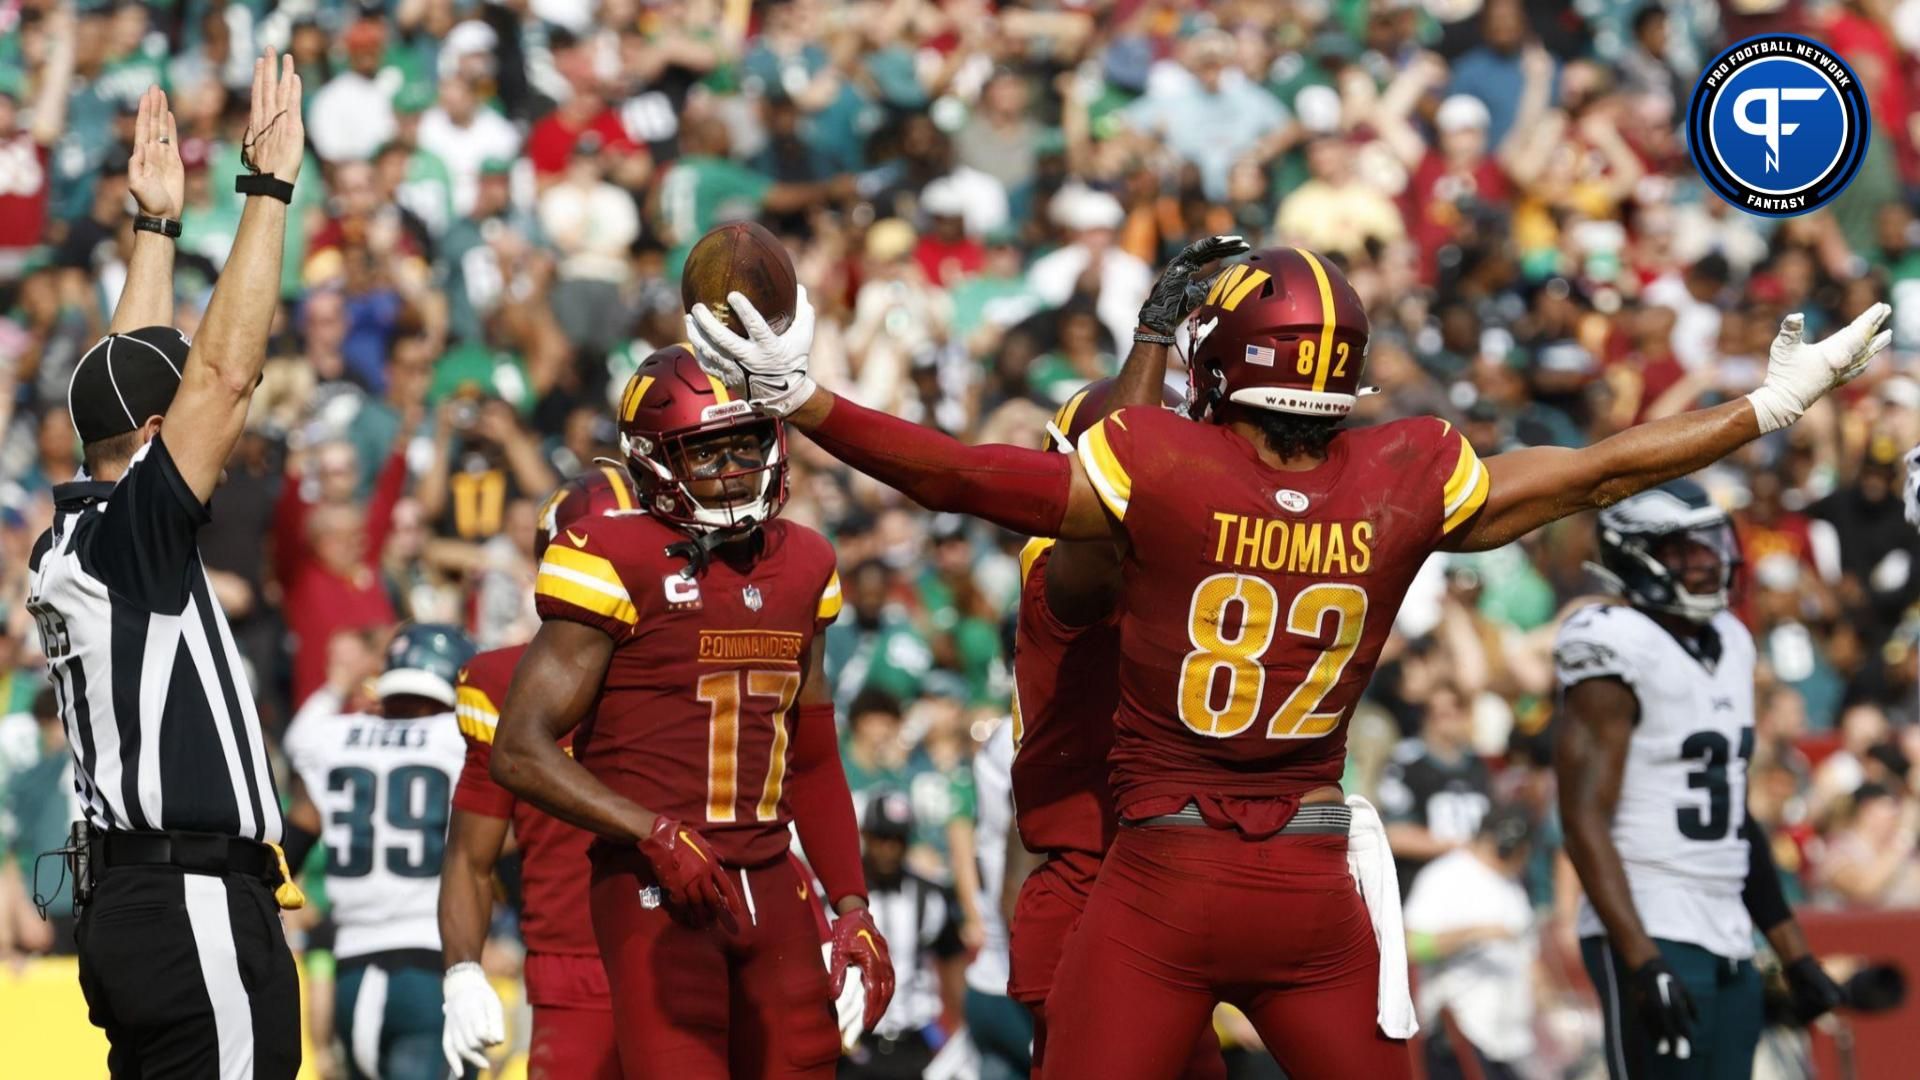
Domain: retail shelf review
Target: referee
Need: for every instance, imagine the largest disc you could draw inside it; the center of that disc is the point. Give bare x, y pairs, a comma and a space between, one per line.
182, 958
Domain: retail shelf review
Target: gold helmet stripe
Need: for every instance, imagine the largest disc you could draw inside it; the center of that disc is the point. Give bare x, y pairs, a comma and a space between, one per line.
1248, 283
636, 390
1063, 419
619, 484
1225, 282
1326, 318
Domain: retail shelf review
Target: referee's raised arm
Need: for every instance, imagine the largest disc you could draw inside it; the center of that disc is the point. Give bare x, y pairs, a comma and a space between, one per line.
224, 364
178, 874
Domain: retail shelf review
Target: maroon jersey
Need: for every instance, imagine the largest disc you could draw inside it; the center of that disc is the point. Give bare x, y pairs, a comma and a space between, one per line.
1256, 600
23, 190
1065, 694
693, 719
553, 854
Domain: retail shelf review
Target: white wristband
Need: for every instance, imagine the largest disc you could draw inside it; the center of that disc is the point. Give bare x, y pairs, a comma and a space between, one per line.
1774, 408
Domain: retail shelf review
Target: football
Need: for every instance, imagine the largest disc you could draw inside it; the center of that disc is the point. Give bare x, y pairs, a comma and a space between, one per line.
741, 257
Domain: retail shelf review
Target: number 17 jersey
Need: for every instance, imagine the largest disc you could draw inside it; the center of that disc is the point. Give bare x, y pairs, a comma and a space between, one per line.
1256, 600
693, 720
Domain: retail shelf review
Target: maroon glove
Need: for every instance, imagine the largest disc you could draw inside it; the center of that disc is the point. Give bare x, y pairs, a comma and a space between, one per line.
858, 942
690, 873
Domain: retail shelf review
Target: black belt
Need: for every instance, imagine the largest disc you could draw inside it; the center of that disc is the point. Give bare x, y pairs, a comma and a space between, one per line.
1316, 819
198, 853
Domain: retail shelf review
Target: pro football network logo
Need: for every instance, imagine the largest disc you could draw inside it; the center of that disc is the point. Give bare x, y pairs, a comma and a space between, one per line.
1778, 125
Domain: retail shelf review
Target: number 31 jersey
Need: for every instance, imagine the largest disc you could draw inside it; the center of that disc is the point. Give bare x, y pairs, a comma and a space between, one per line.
1683, 797
1256, 600
384, 789
693, 720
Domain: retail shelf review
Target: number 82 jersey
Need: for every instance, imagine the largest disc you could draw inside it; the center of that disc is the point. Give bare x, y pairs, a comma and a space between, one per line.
1683, 794
1256, 600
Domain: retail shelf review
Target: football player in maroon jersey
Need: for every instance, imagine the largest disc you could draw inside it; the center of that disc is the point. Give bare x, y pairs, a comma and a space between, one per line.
1265, 553
566, 983
682, 638
1066, 665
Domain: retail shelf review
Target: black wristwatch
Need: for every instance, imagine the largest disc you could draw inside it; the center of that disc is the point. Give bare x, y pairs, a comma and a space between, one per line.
167, 227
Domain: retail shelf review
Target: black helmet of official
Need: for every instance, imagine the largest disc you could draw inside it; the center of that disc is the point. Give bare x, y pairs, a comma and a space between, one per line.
424, 660
1649, 541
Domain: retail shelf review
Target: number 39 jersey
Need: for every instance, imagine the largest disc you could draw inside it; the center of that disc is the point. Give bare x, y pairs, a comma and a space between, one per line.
694, 718
1256, 600
1683, 796
384, 789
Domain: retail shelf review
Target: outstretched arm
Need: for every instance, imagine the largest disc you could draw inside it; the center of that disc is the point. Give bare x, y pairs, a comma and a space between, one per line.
1035, 492
1031, 492
1542, 484
1532, 487
224, 364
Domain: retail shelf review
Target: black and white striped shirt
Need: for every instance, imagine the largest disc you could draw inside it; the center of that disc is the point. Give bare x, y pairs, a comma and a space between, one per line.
156, 704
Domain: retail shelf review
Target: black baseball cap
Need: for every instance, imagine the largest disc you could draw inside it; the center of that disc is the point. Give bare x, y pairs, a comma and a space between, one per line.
889, 816
124, 379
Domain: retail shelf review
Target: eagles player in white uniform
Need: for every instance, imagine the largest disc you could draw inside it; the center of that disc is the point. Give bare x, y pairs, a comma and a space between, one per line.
378, 789
1652, 762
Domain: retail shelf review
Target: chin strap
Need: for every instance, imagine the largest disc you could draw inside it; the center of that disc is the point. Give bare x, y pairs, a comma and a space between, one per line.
698, 549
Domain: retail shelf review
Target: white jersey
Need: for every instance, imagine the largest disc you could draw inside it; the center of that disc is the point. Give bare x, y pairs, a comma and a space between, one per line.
1683, 798
993, 823
385, 790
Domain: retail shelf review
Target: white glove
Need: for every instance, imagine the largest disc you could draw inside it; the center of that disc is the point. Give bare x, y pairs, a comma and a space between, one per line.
1799, 374
474, 1018
773, 366
850, 1009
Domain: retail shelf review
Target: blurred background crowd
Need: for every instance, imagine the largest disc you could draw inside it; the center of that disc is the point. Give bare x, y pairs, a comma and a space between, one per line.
977, 194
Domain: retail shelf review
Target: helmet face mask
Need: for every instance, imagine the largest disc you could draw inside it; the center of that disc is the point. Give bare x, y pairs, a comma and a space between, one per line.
702, 459
1670, 550
732, 477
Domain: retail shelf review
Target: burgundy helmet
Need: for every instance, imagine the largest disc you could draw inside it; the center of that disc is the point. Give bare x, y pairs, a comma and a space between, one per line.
1283, 331
600, 489
1085, 408
673, 415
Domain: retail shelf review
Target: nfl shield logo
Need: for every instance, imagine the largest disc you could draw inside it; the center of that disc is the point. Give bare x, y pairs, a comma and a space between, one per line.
751, 594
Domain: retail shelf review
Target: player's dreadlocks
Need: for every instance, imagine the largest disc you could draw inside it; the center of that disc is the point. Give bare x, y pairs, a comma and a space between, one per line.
1291, 435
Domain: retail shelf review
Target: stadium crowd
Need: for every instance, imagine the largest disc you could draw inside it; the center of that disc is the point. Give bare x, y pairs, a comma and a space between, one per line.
977, 196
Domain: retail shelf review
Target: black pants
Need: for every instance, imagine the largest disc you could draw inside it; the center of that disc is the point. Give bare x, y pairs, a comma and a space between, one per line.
190, 976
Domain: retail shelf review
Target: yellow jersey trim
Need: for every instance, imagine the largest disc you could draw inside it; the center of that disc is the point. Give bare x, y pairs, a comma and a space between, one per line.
476, 713
586, 581
1110, 479
830, 599
1466, 490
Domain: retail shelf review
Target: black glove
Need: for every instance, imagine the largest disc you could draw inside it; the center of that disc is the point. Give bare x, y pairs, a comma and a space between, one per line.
1814, 992
1665, 1008
1876, 988
1174, 296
